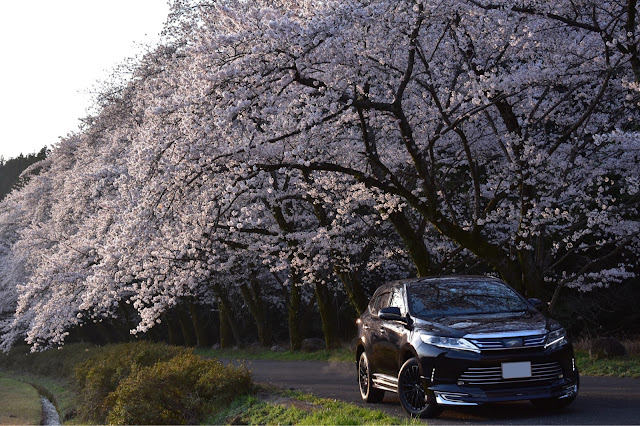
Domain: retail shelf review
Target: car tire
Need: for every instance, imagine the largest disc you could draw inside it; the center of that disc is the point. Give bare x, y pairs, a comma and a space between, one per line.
412, 394
365, 382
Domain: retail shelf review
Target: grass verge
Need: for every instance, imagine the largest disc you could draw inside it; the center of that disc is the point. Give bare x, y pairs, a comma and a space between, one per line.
296, 408
57, 390
132, 383
19, 403
333, 355
626, 366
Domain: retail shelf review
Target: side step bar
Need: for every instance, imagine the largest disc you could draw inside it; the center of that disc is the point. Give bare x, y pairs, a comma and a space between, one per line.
385, 382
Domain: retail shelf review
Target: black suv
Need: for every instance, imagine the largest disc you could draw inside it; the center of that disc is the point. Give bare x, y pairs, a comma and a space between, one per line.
461, 341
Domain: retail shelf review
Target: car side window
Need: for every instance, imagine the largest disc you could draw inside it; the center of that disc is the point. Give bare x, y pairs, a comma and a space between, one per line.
381, 301
397, 299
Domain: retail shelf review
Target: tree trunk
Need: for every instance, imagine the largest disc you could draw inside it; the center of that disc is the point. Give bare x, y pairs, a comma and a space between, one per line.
295, 294
173, 329
327, 315
295, 303
199, 324
253, 299
226, 333
555, 298
186, 326
532, 281
224, 304
354, 289
413, 242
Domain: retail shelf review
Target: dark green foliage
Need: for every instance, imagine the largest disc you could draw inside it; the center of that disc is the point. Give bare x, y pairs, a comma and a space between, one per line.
151, 383
10, 170
189, 386
57, 363
102, 373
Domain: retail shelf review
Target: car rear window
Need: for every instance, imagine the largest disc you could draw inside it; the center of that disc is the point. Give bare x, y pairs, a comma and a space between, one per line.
436, 299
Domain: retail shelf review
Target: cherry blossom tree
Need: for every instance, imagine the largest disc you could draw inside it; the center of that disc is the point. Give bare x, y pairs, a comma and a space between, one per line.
498, 125
19, 208
270, 155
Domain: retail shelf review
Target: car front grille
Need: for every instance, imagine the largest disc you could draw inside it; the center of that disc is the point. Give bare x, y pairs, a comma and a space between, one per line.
480, 376
497, 343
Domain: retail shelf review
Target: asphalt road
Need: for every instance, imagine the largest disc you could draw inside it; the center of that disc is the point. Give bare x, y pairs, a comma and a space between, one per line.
601, 400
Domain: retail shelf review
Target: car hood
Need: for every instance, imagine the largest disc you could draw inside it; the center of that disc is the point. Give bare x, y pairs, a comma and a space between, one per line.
510, 322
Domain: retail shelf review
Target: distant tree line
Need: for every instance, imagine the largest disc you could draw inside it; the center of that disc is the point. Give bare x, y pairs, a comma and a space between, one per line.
11, 169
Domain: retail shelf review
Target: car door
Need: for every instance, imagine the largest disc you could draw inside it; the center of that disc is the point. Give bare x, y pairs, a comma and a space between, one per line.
397, 332
393, 334
378, 338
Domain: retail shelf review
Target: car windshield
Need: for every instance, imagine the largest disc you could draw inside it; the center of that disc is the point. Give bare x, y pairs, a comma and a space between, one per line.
436, 299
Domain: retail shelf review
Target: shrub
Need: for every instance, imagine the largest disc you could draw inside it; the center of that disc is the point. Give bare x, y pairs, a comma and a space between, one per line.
179, 391
101, 374
633, 346
606, 347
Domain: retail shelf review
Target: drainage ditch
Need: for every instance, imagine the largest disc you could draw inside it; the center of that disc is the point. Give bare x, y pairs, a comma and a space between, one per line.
50, 415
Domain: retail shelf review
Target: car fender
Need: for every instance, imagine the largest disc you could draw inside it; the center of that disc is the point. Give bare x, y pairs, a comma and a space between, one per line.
407, 351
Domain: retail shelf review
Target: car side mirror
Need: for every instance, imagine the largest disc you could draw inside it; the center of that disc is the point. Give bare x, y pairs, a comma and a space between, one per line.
537, 303
391, 313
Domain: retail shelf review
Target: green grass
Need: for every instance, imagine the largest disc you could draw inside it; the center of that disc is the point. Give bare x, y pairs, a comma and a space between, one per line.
19, 403
334, 355
626, 366
57, 390
341, 413
296, 408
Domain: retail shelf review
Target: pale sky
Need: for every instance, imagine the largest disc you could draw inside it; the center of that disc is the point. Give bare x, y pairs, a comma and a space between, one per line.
53, 53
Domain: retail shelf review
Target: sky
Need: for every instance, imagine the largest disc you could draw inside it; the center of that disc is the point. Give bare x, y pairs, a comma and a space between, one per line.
53, 55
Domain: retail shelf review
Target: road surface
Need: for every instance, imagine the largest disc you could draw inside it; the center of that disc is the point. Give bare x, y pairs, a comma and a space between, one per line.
601, 400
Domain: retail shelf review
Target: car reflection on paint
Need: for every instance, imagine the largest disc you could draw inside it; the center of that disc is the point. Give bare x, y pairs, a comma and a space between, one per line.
460, 341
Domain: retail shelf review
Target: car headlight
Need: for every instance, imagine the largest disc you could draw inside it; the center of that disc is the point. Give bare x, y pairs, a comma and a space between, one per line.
556, 338
449, 343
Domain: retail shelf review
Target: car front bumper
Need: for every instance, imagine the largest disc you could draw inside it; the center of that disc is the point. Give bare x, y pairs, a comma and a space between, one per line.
458, 395
467, 378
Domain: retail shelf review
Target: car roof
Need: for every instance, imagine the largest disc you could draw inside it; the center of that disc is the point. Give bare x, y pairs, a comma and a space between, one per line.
441, 278
438, 278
